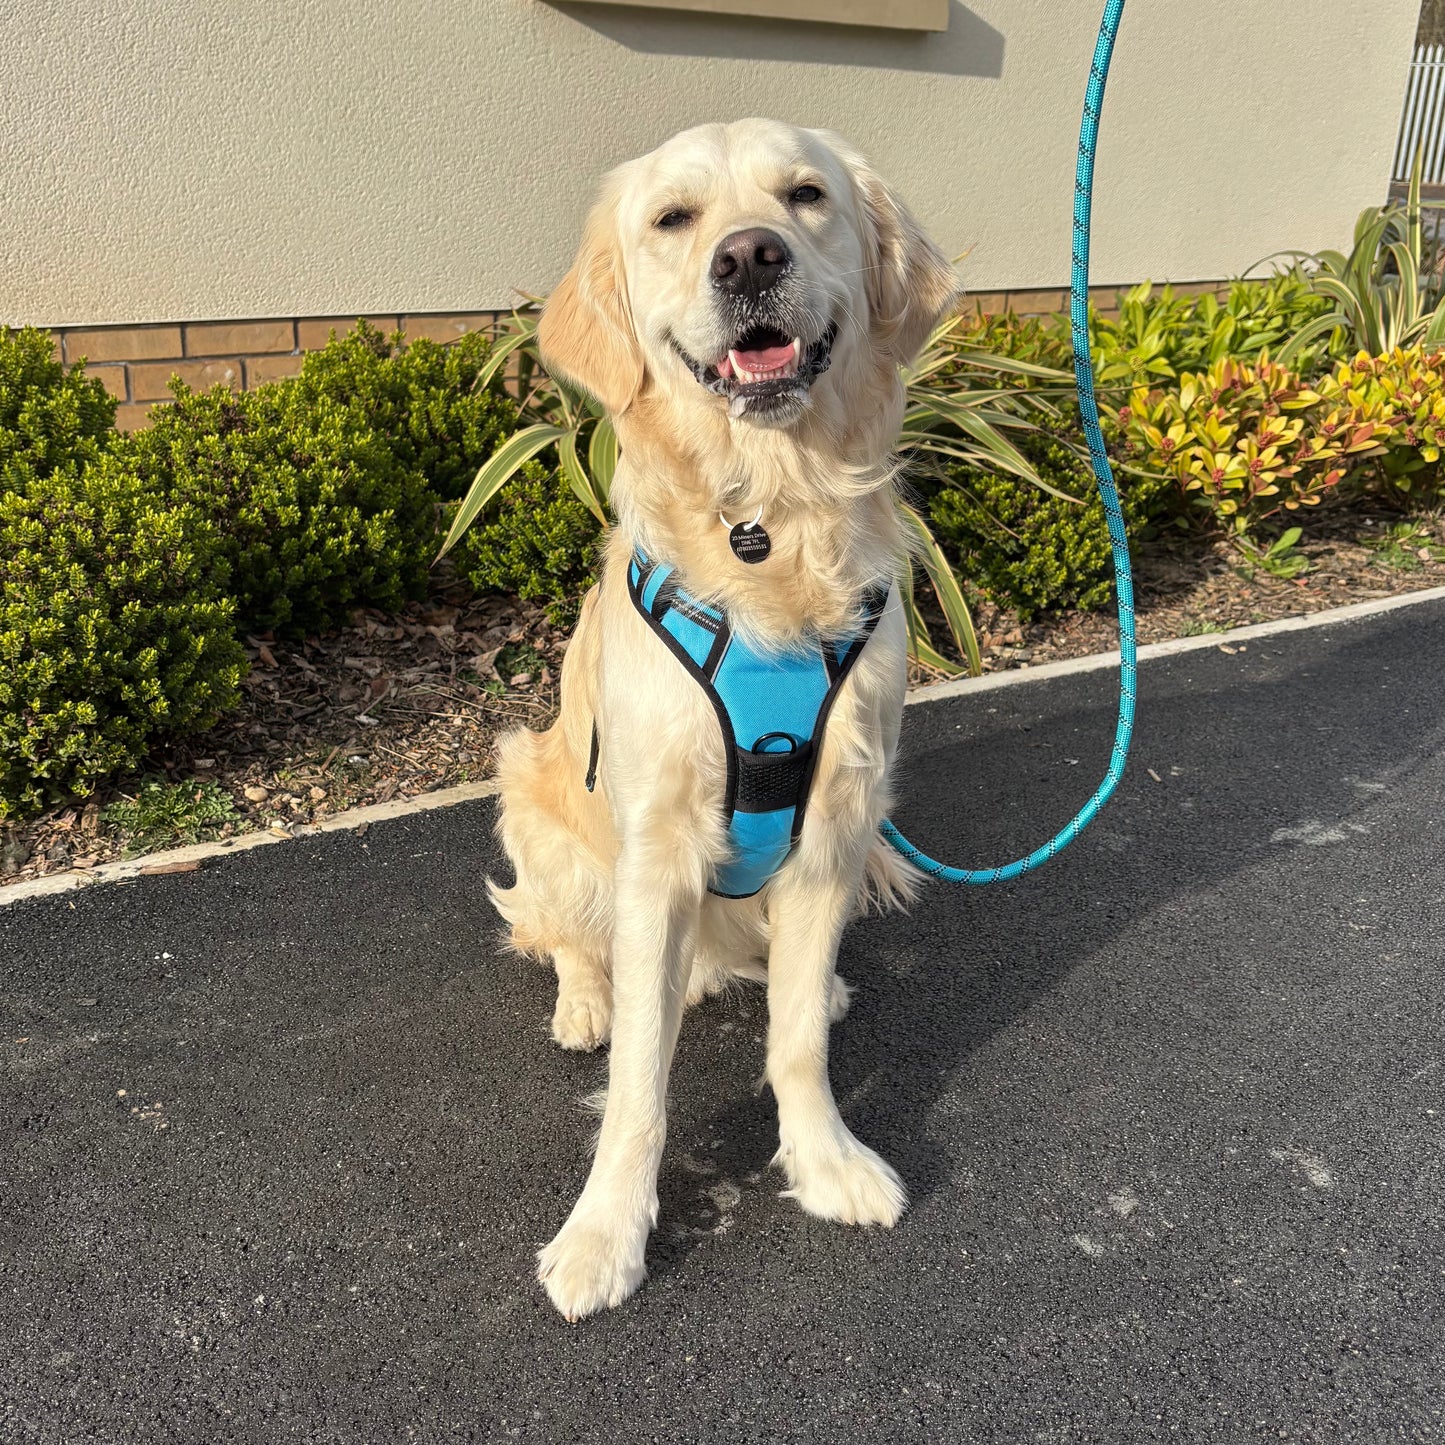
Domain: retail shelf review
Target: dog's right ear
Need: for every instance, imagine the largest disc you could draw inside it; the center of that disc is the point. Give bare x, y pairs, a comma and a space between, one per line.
586, 333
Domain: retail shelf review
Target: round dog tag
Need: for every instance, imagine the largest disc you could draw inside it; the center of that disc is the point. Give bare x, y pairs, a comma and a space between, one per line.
750, 542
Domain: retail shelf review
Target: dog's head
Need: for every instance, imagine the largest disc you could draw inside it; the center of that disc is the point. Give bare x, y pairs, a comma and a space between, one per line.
733, 266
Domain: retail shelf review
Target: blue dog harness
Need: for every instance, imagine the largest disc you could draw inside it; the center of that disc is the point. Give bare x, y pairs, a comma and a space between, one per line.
772, 708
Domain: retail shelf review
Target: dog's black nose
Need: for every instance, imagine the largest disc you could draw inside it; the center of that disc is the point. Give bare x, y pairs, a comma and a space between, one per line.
747, 263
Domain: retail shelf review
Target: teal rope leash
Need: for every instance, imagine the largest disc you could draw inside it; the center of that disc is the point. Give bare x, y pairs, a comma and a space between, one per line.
1108, 494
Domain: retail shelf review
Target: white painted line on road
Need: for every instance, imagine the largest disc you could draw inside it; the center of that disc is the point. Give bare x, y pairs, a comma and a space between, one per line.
176, 859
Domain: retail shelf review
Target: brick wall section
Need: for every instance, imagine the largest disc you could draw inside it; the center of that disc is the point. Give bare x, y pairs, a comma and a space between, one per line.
136, 363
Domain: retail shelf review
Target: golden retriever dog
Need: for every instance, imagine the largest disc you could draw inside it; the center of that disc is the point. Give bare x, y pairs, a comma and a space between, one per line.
741, 304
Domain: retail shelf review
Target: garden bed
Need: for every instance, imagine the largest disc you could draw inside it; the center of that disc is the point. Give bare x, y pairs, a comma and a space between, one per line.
396, 706
1278, 452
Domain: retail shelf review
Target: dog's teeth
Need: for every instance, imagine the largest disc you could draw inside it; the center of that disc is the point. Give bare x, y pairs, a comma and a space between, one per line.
732, 368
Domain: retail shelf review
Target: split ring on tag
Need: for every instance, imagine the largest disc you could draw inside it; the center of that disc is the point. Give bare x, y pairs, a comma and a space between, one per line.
749, 540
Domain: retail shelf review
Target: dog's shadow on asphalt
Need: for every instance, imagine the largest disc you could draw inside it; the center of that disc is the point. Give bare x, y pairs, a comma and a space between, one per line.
936, 985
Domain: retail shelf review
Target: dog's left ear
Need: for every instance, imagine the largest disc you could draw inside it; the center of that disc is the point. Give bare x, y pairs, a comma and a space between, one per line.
910, 284
586, 332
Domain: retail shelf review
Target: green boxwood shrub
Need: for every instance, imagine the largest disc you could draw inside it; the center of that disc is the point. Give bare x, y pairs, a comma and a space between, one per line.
114, 631
420, 397
536, 540
314, 513
50, 418
1027, 549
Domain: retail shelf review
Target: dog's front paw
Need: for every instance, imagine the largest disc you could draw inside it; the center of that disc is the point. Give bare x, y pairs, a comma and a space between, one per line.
583, 1017
836, 1177
593, 1264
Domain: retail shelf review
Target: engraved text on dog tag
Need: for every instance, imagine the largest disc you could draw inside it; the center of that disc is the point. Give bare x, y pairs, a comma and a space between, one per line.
750, 542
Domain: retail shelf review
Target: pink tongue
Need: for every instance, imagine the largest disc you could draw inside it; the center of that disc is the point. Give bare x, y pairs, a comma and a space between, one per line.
768, 359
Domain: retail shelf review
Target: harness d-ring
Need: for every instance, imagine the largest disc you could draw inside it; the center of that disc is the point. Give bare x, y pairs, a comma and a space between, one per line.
788, 738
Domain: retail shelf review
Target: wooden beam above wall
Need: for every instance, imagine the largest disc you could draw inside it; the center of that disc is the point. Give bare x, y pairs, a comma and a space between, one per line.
890, 14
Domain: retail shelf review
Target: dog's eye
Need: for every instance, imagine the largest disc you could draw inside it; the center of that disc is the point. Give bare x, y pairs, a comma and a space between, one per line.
805, 195
673, 219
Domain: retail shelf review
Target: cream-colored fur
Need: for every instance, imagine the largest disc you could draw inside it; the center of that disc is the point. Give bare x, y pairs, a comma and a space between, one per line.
612, 885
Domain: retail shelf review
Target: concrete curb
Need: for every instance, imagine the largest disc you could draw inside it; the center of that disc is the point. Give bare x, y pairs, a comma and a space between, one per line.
184, 860
1356, 611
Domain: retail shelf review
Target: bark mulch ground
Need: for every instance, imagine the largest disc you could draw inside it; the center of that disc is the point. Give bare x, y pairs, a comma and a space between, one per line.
394, 706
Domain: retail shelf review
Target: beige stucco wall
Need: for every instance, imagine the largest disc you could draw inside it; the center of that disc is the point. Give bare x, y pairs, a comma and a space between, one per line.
164, 160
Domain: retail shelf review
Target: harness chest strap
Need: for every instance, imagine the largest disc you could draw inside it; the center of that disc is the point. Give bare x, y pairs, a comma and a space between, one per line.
772, 709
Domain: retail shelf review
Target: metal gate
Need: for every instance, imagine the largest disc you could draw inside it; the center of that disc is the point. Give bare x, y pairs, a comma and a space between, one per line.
1423, 121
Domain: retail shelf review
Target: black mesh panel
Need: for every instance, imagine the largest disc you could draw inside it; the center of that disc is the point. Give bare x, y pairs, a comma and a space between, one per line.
770, 781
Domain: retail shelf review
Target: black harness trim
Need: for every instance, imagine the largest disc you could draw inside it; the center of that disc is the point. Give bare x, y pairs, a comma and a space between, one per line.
702, 678
875, 603
590, 781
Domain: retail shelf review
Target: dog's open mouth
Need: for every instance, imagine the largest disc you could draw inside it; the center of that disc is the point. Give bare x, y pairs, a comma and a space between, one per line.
764, 368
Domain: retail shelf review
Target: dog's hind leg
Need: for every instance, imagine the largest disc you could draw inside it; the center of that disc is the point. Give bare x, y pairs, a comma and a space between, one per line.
560, 905
558, 834
583, 1017
732, 948
732, 945
544, 929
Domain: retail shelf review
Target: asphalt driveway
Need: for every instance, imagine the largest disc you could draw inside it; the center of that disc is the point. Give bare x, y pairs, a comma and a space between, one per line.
284, 1134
